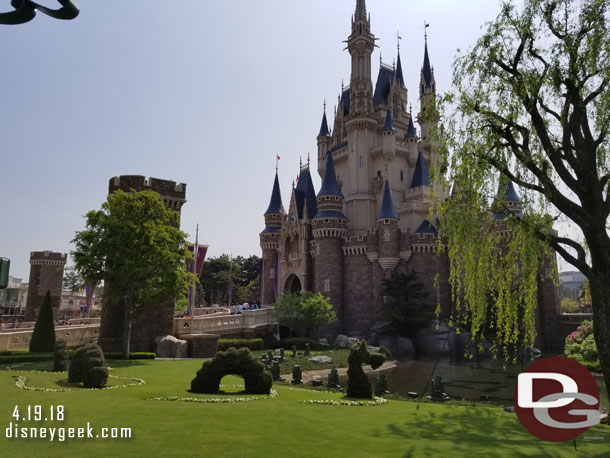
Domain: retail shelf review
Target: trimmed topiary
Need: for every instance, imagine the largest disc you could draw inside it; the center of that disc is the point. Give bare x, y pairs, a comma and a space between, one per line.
76, 372
61, 357
386, 352
358, 384
43, 337
95, 370
236, 362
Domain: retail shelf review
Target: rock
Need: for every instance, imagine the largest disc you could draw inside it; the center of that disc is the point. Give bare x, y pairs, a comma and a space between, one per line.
405, 348
320, 359
380, 327
509, 409
170, 347
351, 341
431, 341
372, 339
323, 341
341, 341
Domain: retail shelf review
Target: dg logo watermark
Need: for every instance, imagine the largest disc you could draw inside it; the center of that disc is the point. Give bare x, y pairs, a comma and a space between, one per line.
557, 399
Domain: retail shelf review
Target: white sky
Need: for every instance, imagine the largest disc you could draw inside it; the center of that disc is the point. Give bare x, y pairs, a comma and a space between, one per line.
198, 91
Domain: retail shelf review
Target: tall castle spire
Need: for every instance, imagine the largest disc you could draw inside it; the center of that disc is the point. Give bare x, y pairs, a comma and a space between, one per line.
360, 44
275, 204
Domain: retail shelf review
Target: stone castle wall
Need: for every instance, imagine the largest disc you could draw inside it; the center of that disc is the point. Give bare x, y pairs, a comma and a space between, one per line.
46, 274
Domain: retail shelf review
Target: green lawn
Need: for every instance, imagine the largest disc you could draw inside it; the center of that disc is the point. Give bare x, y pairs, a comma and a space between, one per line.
280, 427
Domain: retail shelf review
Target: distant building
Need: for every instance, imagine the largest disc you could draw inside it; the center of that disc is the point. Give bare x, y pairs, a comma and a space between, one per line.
13, 299
571, 284
46, 274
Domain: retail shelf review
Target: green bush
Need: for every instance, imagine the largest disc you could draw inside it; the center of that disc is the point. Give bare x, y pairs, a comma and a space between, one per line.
237, 362
25, 358
133, 355
386, 352
358, 384
252, 344
300, 343
76, 372
43, 337
61, 357
580, 345
95, 370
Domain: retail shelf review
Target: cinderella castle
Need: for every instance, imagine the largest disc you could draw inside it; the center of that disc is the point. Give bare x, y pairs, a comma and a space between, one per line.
371, 215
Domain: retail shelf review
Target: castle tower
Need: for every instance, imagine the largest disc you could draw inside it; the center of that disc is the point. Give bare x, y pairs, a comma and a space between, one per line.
323, 138
360, 44
428, 117
329, 226
46, 274
388, 234
507, 200
270, 243
158, 319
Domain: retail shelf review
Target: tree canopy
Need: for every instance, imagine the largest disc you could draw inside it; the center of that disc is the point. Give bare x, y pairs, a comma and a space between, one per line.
530, 103
134, 245
214, 280
304, 312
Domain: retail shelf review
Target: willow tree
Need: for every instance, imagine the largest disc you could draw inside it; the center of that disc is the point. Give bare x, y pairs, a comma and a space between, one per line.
531, 104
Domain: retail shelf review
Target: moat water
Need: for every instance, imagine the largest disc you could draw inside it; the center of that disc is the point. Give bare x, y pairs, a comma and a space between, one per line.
487, 380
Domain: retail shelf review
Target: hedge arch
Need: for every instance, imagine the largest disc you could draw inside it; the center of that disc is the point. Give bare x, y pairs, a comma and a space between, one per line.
232, 362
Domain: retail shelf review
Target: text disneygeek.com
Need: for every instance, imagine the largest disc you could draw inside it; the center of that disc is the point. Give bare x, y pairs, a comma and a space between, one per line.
20, 429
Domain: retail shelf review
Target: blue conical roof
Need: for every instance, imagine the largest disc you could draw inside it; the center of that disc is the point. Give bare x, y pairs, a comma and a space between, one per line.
411, 129
330, 187
388, 121
401, 80
427, 69
426, 228
420, 176
387, 210
324, 132
305, 191
506, 191
275, 205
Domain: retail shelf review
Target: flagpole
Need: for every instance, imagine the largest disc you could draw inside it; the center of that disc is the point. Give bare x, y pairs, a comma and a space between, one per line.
194, 287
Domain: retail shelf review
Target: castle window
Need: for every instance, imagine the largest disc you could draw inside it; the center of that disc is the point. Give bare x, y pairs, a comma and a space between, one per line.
386, 235
386, 221
326, 285
326, 220
378, 173
401, 176
361, 161
327, 197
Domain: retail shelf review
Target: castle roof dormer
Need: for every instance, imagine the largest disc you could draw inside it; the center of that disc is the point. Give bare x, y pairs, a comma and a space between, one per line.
275, 205
388, 122
411, 133
305, 191
426, 228
387, 210
420, 176
399, 76
324, 132
507, 201
330, 187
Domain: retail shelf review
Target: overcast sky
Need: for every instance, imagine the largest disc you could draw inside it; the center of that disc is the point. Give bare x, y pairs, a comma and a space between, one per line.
197, 91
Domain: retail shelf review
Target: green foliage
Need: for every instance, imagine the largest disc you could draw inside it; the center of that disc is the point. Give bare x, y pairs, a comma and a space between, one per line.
300, 343
569, 305
72, 280
132, 355
214, 280
252, 344
580, 345
134, 245
385, 351
406, 306
358, 384
304, 310
25, 357
61, 357
76, 372
43, 337
236, 362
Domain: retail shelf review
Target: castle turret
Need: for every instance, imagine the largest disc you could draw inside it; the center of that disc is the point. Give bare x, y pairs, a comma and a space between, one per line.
360, 44
329, 226
270, 243
428, 117
387, 232
507, 201
324, 138
421, 176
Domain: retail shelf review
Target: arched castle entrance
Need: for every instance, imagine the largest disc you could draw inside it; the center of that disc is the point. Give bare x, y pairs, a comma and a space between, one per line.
293, 284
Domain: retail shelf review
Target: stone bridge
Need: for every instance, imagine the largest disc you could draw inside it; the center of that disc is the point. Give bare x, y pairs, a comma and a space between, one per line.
201, 331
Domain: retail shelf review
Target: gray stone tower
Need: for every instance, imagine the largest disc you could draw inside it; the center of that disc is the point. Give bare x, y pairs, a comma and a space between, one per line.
46, 274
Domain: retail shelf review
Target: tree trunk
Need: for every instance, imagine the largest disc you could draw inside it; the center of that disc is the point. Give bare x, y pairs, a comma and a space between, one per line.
600, 302
126, 329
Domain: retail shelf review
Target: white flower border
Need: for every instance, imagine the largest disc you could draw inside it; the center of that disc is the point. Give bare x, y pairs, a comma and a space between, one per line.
377, 401
272, 394
21, 383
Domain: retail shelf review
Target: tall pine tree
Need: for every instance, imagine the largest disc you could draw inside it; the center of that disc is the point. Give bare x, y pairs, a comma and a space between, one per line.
43, 337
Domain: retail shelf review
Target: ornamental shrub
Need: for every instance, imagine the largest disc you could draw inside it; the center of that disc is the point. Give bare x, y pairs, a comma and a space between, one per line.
43, 337
76, 373
386, 352
252, 344
61, 357
95, 370
358, 384
580, 345
236, 362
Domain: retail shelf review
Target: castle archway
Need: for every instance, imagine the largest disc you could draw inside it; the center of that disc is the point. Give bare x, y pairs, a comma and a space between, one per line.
293, 284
